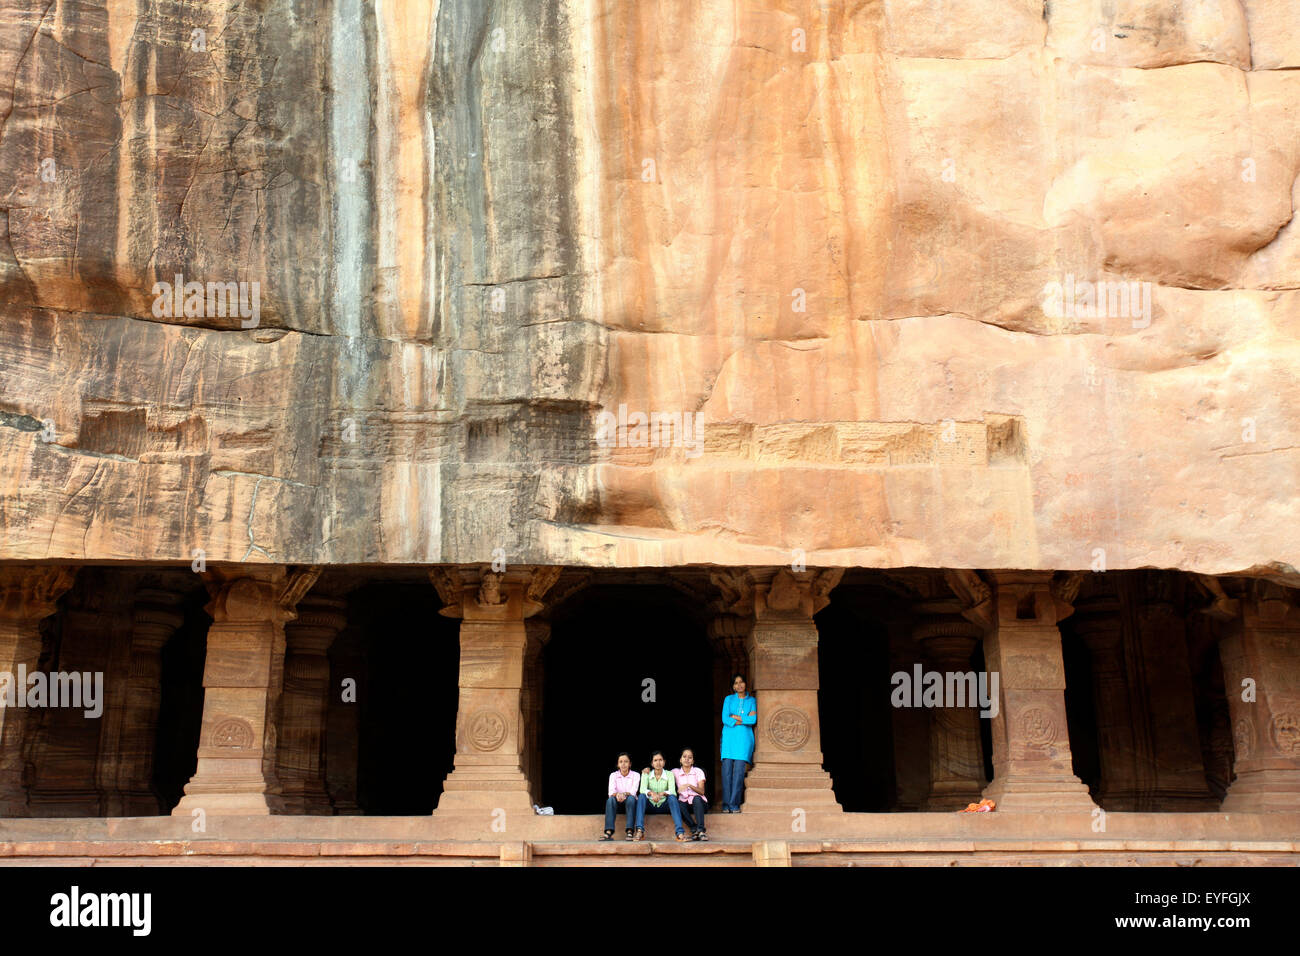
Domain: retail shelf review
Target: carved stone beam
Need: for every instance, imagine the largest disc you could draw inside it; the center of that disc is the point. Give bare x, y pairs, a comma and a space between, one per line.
1223, 607
1065, 589
976, 597
735, 591
296, 585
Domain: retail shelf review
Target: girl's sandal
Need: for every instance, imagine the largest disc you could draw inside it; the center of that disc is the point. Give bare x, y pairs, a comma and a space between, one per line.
640, 835
682, 838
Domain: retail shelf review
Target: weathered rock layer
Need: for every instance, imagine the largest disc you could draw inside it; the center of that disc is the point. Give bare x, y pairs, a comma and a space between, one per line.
855, 246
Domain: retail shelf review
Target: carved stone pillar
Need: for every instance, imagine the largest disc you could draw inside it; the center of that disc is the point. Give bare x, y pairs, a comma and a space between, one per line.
157, 614
729, 634
956, 752
1160, 680
488, 773
1101, 632
1261, 675
1218, 749
539, 634
28, 594
910, 727
1149, 745
114, 636
305, 703
343, 720
73, 757
1032, 764
243, 679
787, 771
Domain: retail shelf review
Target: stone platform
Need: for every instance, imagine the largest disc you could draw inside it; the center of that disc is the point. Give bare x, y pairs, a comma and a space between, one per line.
897, 839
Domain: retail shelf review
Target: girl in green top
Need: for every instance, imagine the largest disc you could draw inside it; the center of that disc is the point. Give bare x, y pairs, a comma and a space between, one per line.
658, 795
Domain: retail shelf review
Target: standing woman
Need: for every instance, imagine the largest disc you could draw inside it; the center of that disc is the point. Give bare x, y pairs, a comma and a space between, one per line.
739, 715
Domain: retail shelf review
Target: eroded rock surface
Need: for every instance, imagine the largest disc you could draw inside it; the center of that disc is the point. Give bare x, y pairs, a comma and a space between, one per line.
859, 240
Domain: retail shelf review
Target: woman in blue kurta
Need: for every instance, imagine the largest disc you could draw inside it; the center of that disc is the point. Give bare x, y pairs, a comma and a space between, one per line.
739, 715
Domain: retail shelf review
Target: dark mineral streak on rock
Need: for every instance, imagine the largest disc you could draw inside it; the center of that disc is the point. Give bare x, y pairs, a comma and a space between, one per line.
500, 96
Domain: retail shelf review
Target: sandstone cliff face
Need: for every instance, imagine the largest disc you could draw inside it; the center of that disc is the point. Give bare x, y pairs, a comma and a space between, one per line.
860, 240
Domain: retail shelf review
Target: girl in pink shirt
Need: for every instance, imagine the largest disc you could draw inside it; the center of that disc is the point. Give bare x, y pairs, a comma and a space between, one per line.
624, 787
690, 792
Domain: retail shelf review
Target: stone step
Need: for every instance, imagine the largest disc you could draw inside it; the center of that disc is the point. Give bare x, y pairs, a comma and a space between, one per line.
1157, 829
652, 852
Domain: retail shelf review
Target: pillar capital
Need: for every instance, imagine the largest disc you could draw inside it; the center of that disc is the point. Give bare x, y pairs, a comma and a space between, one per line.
261, 593
156, 615
946, 637
726, 627
30, 592
1103, 638
1033, 598
781, 592
1270, 607
317, 623
729, 634
479, 593
770, 592
1160, 592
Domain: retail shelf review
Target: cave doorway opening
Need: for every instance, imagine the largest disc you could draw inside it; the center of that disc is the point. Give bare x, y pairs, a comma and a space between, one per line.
626, 668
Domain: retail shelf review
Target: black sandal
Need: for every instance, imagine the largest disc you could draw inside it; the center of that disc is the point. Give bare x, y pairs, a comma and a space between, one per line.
629, 835
609, 835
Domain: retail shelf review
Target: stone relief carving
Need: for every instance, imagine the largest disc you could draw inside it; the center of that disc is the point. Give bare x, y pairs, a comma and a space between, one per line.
1286, 733
784, 593
1243, 737
789, 728
489, 591
486, 730
1037, 727
233, 733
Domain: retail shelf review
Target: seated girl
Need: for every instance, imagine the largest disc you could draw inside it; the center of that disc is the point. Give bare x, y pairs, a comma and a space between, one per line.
624, 788
658, 795
690, 794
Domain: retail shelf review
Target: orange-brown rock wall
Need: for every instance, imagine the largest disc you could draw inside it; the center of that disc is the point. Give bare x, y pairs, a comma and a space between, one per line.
858, 240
